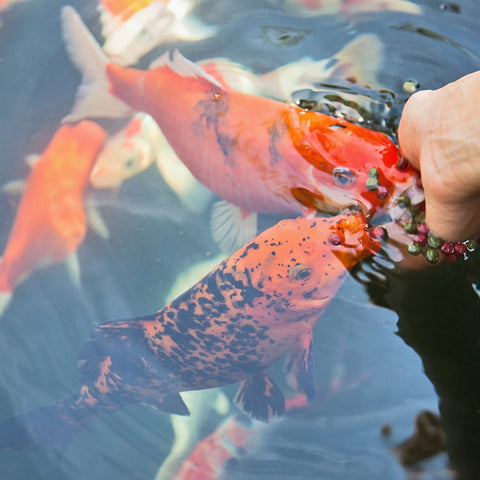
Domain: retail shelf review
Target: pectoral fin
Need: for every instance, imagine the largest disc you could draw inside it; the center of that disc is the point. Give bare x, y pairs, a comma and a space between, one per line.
14, 187
299, 367
96, 222
32, 159
260, 398
232, 227
73, 268
5, 299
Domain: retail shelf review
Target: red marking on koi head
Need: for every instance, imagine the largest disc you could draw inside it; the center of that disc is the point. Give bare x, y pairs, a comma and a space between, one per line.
134, 127
344, 156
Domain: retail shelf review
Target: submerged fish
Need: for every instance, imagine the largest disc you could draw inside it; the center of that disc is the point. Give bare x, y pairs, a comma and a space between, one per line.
126, 153
141, 142
132, 28
358, 62
50, 222
255, 307
236, 436
346, 7
256, 153
133, 149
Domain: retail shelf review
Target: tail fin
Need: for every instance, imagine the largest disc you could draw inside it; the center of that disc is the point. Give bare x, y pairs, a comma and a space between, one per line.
52, 426
93, 97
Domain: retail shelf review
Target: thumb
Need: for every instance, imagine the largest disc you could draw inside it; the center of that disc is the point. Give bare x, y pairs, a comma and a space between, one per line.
412, 126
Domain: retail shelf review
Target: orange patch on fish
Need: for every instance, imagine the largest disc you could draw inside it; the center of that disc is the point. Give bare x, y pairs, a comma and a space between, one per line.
50, 222
124, 8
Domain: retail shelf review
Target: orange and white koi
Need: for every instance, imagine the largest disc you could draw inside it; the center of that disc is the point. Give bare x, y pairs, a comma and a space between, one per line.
141, 142
235, 437
132, 28
254, 308
358, 62
126, 153
346, 7
133, 149
50, 222
256, 153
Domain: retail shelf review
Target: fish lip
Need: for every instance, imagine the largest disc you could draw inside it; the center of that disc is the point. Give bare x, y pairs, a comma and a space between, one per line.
357, 207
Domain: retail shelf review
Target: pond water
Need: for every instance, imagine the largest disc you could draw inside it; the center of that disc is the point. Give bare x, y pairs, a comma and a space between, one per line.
390, 345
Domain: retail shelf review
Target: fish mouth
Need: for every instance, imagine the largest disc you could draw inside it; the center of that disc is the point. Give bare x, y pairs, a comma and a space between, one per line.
357, 207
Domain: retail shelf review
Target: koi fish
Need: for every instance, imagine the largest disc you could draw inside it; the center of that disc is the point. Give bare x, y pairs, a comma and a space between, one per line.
358, 62
303, 161
141, 142
50, 222
200, 403
255, 307
133, 149
210, 457
346, 7
132, 28
187, 430
126, 153
235, 436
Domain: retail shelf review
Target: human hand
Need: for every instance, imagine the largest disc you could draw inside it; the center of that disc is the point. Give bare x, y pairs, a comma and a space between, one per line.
439, 133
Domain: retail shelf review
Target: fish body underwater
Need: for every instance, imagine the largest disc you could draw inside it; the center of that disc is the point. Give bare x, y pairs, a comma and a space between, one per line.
50, 222
253, 152
255, 307
126, 153
234, 438
132, 28
132, 150
347, 7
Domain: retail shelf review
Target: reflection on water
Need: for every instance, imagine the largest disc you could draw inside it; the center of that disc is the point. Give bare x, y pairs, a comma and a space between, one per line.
388, 346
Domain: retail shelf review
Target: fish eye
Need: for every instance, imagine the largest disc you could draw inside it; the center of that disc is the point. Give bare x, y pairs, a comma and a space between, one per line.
130, 162
300, 272
343, 176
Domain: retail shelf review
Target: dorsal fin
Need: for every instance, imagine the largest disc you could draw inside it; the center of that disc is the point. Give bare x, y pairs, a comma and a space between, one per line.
183, 66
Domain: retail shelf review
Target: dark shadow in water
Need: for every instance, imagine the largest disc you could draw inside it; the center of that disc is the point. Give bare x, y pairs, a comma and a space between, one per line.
439, 317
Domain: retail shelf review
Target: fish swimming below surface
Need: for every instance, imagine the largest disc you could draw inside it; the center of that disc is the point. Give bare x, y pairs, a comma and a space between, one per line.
136, 147
141, 143
256, 307
126, 153
301, 162
51, 222
236, 436
346, 7
132, 28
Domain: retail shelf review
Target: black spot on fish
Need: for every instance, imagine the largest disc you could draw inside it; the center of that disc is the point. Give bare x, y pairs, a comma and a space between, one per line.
310, 293
212, 114
253, 245
275, 155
